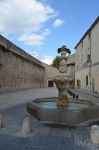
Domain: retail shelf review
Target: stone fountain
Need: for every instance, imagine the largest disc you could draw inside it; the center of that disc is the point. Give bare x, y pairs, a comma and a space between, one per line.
63, 80
62, 109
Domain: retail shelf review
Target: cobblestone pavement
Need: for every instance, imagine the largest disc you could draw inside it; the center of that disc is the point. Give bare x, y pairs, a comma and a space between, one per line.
43, 137
20, 97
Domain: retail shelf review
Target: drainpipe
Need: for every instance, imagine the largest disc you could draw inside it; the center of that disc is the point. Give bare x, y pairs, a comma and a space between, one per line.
90, 61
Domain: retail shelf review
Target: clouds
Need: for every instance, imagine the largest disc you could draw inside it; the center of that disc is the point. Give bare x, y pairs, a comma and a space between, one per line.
29, 22
34, 54
34, 39
23, 16
58, 22
47, 59
25, 19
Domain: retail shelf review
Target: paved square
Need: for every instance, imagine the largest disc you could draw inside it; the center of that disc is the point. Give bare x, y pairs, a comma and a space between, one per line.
43, 137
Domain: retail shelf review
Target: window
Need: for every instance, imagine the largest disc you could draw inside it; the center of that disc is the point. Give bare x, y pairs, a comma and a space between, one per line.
88, 58
86, 80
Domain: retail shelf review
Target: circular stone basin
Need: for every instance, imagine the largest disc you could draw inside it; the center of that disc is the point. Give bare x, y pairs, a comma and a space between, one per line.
76, 111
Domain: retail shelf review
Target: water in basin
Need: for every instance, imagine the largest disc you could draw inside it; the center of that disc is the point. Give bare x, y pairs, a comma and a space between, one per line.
71, 105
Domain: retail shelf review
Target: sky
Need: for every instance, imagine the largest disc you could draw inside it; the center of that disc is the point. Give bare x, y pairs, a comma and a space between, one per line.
40, 27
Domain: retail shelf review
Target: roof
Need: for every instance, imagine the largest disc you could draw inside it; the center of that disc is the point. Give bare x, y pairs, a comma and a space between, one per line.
88, 31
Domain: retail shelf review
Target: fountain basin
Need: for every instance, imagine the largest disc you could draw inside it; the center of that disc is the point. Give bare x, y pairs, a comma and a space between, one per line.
76, 111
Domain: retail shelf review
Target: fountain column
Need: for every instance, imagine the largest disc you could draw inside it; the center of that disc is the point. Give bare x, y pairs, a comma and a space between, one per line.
62, 80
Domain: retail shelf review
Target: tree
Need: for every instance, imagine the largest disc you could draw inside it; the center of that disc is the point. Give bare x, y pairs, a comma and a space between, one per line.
56, 62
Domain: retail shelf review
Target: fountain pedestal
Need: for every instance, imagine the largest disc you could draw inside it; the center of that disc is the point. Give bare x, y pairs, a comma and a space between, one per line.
62, 101
63, 80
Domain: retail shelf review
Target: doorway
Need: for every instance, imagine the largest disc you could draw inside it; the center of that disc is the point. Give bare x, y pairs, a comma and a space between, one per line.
78, 84
50, 83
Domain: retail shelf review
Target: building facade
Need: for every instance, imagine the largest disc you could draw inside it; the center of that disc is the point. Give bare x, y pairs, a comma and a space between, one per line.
71, 69
18, 69
87, 60
71, 65
52, 72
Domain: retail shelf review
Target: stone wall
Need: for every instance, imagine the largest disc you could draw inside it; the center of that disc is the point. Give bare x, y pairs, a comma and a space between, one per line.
18, 69
50, 74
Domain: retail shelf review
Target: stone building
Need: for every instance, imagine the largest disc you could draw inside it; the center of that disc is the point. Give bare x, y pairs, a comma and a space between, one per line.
71, 65
18, 69
52, 72
87, 60
71, 68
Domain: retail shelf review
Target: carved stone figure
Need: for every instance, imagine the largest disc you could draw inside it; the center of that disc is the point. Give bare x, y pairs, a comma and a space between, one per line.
62, 80
63, 50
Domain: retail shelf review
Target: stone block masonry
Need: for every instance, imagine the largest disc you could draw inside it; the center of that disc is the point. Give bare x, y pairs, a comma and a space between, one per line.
18, 69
